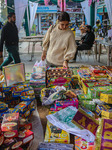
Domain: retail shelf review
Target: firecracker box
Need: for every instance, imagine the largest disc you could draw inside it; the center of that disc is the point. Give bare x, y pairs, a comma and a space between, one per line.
55, 146
11, 143
58, 77
94, 92
88, 104
81, 144
61, 104
84, 97
56, 135
104, 110
95, 83
106, 97
25, 136
10, 125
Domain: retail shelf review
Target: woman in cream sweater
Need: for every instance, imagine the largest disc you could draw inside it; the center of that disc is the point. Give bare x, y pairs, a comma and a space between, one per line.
59, 43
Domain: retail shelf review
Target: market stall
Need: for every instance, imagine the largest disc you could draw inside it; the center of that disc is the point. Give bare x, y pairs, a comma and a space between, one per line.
79, 100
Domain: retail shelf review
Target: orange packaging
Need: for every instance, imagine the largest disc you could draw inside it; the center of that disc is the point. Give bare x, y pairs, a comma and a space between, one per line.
81, 144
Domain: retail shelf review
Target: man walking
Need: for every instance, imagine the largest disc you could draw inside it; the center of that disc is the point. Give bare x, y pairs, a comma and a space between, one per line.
9, 35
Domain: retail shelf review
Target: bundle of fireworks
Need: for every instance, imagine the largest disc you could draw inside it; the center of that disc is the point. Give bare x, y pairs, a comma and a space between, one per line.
106, 97
83, 73
104, 110
61, 104
84, 97
91, 105
56, 135
54, 146
3, 110
94, 92
88, 84
25, 108
81, 144
37, 80
58, 77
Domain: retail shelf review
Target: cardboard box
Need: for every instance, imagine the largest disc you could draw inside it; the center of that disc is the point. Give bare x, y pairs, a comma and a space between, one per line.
104, 110
10, 125
25, 136
106, 97
94, 92
56, 135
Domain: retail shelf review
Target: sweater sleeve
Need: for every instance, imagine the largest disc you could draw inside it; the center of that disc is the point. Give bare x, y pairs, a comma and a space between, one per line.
2, 39
70, 51
46, 40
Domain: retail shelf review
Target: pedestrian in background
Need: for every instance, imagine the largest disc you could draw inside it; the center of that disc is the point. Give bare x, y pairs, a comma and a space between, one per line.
59, 43
83, 28
9, 35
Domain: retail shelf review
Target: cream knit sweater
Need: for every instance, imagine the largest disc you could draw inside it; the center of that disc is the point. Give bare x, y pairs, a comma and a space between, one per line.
59, 45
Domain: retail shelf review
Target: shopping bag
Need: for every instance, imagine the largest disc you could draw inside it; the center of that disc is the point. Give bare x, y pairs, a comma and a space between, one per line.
38, 65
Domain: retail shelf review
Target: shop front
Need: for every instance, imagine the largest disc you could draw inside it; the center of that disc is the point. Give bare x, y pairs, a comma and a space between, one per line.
46, 16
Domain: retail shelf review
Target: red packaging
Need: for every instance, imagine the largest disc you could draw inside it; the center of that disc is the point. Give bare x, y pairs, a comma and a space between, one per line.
11, 144
10, 125
1, 139
26, 136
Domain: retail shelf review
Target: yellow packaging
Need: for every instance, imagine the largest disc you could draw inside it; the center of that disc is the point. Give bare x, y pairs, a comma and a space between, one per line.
106, 114
56, 135
106, 97
85, 88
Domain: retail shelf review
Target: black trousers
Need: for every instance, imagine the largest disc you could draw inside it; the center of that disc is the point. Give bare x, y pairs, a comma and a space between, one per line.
81, 47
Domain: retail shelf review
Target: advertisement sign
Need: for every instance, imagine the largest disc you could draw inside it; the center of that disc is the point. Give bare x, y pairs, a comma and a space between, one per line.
47, 9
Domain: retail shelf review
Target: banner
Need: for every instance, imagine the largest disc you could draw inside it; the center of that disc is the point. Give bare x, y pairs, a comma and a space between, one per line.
20, 6
108, 4
33, 9
86, 10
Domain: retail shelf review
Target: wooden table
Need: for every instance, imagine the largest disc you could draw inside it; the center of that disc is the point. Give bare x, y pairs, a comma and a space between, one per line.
32, 37
34, 41
109, 50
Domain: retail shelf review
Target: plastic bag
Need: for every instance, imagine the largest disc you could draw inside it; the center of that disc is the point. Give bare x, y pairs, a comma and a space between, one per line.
59, 94
38, 65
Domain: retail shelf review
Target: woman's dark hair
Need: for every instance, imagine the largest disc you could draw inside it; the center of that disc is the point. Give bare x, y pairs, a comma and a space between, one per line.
64, 16
10, 14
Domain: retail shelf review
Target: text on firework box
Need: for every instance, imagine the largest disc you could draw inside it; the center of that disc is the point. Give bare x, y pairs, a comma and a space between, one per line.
85, 121
106, 135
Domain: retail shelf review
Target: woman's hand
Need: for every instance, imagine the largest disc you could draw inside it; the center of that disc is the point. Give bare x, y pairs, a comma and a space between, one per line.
65, 64
43, 57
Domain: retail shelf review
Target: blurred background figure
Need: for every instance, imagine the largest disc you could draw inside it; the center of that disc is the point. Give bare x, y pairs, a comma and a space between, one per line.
97, 28
83, 28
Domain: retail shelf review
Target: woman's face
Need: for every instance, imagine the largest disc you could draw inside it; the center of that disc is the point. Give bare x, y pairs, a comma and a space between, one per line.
63, 25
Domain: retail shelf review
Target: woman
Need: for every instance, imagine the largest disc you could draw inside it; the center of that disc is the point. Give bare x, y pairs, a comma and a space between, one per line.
59, 43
